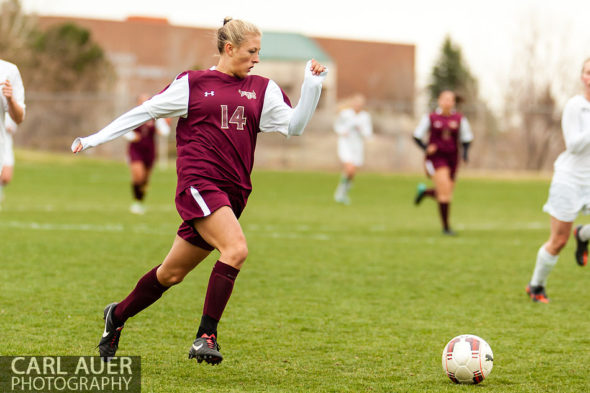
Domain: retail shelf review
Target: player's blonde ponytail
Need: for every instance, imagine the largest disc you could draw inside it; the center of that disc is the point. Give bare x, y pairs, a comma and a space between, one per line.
235, 31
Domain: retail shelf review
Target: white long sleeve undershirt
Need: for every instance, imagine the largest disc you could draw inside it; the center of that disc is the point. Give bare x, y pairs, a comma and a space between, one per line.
276, 115
573, 165
575, 133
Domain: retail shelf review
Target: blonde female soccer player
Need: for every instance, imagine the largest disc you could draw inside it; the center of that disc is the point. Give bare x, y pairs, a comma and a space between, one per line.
569, 193
221, 112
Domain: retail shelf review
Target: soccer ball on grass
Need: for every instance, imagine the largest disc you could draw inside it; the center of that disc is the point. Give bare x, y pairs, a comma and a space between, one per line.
467, 359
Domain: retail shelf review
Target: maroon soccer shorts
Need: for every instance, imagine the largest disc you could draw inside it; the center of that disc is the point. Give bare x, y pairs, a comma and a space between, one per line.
202, 199
146, 156
439, 160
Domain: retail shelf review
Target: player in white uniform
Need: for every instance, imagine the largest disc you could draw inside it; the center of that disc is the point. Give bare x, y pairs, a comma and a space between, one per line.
353, 125
7, 168
569, 193
12, 102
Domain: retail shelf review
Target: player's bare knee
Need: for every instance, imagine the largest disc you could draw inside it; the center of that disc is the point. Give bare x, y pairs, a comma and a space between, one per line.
240, 252
168, 277
235, 255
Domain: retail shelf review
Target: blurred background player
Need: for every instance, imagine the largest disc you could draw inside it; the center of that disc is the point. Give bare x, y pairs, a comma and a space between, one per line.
7, 169
142, 154
569, 193
12, 101
221, 112
353, 126
439, 134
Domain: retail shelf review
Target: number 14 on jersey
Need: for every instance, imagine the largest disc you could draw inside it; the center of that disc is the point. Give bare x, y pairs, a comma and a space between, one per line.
238, 118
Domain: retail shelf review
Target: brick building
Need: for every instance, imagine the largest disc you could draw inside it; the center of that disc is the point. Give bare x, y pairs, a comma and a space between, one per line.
147, 53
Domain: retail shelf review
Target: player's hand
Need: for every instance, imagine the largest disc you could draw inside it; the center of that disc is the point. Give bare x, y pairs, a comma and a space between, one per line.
431, 149
6, 89
77, 148
316, 68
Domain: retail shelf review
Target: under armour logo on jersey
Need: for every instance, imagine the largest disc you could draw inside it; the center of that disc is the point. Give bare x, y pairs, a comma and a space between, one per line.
251, 95
209, 93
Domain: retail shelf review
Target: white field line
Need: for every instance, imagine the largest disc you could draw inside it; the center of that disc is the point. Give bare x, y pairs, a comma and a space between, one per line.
86, 208
322, 233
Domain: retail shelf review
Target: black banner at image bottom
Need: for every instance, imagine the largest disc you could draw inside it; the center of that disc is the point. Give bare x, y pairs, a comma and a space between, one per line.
70, 374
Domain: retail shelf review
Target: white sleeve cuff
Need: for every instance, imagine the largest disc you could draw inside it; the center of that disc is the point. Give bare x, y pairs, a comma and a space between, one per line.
311, 90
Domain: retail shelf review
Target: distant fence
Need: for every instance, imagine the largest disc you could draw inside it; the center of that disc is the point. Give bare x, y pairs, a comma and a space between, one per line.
54, 120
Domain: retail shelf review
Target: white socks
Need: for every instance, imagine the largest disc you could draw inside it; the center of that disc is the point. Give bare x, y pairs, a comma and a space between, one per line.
543, 267
343, 187
584, 233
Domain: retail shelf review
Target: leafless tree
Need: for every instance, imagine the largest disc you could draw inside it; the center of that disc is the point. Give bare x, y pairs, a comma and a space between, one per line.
535, 93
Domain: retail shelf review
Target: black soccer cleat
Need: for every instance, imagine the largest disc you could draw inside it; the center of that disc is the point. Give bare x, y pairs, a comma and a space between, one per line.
537, 293
109, 343
581, 248
420, 193
206, 348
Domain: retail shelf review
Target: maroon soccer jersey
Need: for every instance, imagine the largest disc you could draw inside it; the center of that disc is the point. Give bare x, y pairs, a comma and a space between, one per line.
217, 138
144, 149
444, 132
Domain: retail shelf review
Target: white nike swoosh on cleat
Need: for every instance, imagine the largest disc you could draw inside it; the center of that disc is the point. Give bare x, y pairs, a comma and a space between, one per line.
197, 348
105, 333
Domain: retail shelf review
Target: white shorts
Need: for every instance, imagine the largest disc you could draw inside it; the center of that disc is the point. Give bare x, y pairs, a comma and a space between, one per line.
566, 201
351, 151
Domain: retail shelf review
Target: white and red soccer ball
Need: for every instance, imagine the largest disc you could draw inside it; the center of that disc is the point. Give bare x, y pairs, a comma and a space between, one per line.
467, 359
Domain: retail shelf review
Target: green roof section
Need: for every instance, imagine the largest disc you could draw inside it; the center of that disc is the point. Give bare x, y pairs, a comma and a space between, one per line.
290, 47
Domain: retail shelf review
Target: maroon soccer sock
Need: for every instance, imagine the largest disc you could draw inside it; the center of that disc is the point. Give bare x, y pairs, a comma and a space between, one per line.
221, 284
431, 192
444, 214
138, 192
146, 292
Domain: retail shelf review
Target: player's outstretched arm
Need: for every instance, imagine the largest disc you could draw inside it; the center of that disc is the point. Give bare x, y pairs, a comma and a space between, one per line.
120, 126
311, 89
172, 102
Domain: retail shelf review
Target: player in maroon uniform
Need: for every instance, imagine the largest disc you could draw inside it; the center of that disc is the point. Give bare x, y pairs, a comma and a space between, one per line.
221, 111
142, 154
439, 134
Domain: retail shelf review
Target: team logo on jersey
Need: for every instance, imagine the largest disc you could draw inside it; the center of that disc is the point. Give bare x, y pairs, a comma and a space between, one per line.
453, 124
438, 124
251, 95
209, 93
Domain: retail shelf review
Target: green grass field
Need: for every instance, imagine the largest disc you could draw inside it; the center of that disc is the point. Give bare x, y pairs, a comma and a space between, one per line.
332, 298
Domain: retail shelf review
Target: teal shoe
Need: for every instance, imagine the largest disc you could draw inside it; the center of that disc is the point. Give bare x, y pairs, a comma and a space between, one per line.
420, 192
